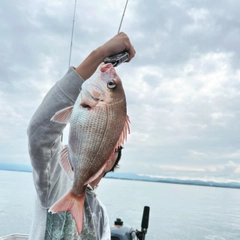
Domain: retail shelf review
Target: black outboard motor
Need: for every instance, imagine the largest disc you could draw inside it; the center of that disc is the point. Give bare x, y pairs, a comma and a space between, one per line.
121, 232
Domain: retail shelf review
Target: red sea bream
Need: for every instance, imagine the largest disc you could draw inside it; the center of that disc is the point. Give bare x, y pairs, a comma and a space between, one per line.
98, 125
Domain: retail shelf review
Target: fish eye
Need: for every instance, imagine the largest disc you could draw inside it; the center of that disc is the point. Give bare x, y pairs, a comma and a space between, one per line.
112, 84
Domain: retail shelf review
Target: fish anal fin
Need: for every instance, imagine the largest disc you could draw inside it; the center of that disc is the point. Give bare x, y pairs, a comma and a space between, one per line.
63, 116
96, 175
65, 163
74, 204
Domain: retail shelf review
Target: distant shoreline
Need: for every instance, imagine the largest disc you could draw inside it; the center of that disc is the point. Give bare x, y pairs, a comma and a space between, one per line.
219, 185
137, 177
16, 170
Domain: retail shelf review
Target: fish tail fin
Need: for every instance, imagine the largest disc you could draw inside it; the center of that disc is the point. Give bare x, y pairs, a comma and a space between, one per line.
74, 204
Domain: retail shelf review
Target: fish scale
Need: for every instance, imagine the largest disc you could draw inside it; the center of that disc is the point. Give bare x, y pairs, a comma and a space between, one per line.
94, 145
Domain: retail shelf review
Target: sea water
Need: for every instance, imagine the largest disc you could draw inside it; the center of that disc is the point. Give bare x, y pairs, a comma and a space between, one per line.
177, 212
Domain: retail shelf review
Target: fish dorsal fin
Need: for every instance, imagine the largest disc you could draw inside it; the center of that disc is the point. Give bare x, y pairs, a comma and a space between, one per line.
65, 163
125, 132
96, 175
63, 116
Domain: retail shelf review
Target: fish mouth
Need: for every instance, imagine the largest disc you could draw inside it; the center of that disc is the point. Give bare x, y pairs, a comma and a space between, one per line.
108, 70
106, 66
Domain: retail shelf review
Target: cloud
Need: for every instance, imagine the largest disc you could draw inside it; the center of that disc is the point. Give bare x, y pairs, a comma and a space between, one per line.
228, 172
182, 87
191, 101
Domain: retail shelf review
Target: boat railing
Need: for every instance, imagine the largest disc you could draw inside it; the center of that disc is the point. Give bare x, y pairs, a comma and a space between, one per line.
15, 236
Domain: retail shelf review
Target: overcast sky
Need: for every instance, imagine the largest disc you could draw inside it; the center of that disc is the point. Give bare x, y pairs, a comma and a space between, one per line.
182, 88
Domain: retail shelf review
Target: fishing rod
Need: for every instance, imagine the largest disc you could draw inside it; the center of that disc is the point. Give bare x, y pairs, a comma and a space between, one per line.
122, 57
122, 16
71, 44
115, 60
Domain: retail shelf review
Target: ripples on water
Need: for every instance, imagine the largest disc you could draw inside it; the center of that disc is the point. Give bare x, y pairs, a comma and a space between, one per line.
177, 212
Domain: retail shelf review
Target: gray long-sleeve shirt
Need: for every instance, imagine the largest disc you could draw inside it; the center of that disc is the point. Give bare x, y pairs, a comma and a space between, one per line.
50, 181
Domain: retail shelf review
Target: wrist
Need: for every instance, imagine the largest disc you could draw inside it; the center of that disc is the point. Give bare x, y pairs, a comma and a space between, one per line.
90, 64
101, 53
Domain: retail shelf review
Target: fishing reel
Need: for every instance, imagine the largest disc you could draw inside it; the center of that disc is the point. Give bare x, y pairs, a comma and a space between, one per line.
120, 232
116, 60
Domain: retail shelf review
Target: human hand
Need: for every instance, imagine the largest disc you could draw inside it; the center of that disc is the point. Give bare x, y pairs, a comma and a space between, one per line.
117, 44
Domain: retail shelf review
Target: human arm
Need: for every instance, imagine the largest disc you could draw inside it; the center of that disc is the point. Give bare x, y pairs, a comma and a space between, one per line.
44, 138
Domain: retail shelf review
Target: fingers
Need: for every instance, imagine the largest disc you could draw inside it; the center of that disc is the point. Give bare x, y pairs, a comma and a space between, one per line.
132, 53
128, 46
119, 43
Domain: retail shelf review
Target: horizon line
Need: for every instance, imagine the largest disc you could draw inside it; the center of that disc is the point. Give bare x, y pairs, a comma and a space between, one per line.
195, 182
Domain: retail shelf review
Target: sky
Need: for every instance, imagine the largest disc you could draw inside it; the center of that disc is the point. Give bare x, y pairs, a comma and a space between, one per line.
182, 87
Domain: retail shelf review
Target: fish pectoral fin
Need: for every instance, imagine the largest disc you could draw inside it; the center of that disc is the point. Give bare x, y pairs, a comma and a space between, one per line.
65, 163
96, 175
125, 132
74, 204
63, 116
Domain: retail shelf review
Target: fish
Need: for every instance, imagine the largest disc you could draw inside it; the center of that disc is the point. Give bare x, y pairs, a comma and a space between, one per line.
99, 124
